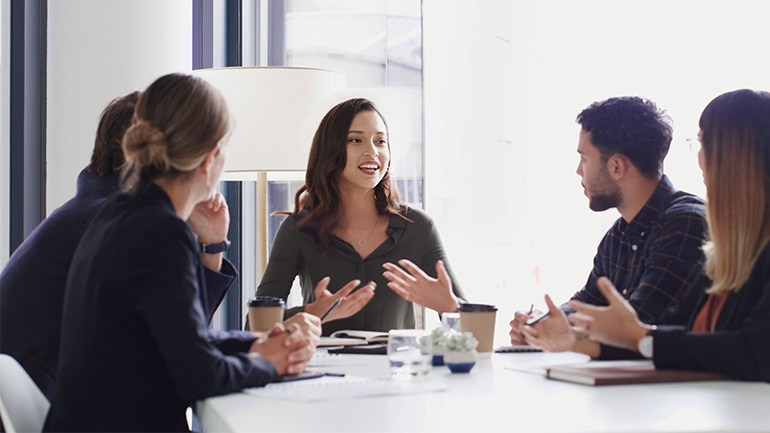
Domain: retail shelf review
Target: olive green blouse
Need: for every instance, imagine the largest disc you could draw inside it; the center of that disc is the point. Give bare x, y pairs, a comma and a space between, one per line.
295, 252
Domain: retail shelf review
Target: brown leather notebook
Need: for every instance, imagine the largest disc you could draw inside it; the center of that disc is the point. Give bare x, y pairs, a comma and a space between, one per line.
625, 372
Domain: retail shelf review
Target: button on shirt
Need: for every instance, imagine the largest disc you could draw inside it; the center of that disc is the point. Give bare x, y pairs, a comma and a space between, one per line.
654, 259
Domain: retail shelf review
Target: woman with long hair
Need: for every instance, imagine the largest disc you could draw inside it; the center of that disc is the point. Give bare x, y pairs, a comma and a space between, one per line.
729, 328
349, 226
136, 350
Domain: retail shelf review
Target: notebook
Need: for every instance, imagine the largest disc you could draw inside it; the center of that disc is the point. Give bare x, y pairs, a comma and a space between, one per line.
327, 388
519, 348
347, 337
625, 372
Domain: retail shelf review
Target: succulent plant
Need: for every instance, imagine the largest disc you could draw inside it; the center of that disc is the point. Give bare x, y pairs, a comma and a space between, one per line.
463, 342
438, 336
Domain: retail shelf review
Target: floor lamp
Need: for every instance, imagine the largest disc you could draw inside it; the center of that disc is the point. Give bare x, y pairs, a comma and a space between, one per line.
275, 112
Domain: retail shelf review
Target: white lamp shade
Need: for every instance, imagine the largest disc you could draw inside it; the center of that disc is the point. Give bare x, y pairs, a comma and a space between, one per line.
275, 112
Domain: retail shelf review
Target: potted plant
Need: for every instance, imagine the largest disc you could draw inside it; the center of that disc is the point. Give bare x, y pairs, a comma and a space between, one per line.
438, 339
460, 352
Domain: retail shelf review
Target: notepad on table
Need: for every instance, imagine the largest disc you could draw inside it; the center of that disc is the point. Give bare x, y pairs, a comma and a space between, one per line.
342, 388
518, 348
348, 337
625, 372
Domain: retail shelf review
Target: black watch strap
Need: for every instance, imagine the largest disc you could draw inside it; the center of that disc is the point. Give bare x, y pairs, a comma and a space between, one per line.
215, 248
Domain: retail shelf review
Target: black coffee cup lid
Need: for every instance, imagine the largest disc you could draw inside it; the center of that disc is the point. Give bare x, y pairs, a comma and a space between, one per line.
266, 301
467, 307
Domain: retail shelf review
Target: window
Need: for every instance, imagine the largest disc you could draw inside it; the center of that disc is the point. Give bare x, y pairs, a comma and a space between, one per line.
377, 44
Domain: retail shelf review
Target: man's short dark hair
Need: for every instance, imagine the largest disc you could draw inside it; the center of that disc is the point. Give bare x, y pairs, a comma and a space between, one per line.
107, 157
631, 126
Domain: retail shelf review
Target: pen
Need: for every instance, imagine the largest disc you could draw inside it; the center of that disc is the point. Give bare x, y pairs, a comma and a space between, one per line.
334, 305
531, 309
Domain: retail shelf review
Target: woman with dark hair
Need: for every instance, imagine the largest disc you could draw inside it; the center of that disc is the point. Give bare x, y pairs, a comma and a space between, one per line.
728, 331
136, 350
349, 225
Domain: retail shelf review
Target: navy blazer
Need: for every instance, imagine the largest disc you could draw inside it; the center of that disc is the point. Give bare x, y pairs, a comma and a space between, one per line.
32, 282
136, 351
740, 345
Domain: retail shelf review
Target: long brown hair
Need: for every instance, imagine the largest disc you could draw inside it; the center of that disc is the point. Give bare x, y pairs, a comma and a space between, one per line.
320, 196
735, 130
177, 121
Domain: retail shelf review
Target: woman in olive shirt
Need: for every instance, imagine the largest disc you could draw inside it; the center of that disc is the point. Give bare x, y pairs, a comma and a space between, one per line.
349, 226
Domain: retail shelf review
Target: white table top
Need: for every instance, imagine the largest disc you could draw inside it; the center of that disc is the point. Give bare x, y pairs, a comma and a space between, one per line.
493, 397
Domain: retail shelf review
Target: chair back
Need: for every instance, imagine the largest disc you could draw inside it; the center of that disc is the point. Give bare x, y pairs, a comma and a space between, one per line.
23, 406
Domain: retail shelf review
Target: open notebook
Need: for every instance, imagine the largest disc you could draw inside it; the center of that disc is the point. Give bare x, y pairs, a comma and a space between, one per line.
347, 337
341, 388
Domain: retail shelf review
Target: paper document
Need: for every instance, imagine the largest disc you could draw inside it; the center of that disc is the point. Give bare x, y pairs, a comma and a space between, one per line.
343, 388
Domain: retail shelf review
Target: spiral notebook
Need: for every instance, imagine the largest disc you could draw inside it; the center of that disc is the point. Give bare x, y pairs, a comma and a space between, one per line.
343, 388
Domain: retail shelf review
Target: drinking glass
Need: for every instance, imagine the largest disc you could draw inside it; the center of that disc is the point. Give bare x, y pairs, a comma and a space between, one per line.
409, 352
450, 322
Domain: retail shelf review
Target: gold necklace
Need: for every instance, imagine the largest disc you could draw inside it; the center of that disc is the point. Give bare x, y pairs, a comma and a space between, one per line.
363, 241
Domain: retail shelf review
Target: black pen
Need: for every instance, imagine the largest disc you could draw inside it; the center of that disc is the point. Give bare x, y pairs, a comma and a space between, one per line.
334, 305
531, 309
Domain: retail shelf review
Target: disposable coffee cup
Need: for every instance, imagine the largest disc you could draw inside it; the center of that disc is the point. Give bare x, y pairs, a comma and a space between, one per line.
479, 319
264, 312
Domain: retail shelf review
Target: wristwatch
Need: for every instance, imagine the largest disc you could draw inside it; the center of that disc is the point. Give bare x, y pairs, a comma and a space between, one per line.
215, 248
645, 343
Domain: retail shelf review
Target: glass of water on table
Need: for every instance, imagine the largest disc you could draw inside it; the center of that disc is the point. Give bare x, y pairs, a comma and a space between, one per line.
409, 352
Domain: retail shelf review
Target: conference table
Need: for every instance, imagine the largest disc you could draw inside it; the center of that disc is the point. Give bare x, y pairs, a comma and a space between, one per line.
507, 392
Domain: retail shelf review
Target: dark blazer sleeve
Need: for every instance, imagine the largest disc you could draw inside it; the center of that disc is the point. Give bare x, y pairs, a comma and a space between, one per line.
166, 294
740, 345
216, 286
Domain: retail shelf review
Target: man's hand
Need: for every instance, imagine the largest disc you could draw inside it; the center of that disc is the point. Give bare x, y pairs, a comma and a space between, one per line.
519, 320
552, 334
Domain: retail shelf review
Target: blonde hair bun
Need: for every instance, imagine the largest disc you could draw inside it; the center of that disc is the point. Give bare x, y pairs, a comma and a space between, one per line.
145, 145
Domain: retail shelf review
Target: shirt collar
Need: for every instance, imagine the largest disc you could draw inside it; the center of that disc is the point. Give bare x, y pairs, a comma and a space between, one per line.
396, 225
649, 213
92, 185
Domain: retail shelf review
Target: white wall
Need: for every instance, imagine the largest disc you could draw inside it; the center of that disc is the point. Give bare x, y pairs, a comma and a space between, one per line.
504, 81
99, 50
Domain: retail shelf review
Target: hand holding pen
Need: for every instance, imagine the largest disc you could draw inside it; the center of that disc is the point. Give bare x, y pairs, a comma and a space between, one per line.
350, 302
519, 320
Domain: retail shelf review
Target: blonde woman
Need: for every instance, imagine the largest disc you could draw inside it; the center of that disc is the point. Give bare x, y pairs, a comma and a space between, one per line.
729, 329
135, 346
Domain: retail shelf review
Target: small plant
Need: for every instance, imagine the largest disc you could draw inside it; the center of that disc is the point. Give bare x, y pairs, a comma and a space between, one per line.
438, 337
461, 342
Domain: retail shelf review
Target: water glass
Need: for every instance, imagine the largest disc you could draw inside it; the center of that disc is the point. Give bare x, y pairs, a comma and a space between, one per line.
450, 322
409, 352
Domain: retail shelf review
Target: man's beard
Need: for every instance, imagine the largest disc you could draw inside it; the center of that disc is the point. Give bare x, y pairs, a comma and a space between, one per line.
602, 202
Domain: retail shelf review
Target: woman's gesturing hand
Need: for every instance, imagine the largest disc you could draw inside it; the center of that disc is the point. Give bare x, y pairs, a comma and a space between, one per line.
350, 303
616, 324
414, 285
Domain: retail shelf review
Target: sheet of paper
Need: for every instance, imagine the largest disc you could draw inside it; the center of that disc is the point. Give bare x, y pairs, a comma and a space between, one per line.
343, 388
537, 363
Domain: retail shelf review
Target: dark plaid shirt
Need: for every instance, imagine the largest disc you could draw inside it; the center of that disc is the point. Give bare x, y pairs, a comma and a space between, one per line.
654, 259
